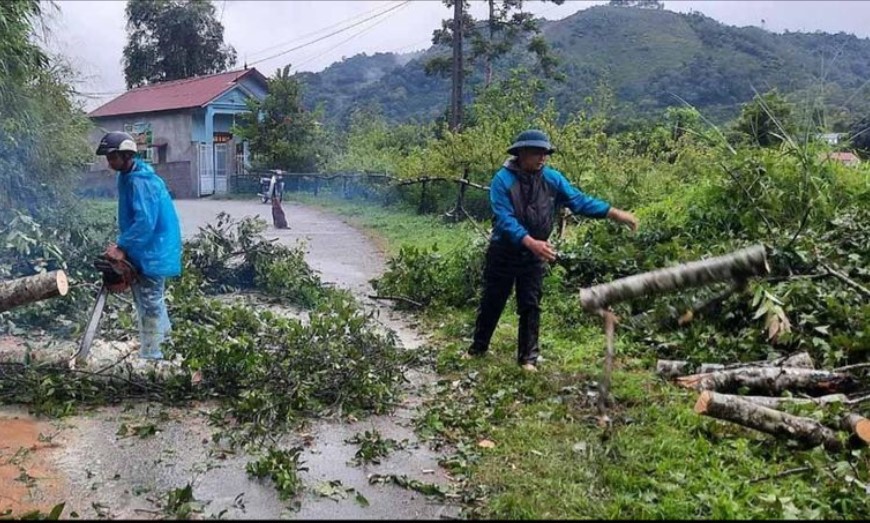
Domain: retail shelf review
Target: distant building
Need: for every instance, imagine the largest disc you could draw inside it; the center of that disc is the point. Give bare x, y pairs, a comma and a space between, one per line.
184, 128
845, 158
830, 138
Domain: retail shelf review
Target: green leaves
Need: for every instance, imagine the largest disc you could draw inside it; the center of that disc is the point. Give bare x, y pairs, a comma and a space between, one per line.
372, 447
429, 277
282, 467
776, 322
282, 133
158, 31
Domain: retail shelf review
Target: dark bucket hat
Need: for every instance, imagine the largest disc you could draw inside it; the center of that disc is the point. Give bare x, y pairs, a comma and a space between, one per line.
531, 138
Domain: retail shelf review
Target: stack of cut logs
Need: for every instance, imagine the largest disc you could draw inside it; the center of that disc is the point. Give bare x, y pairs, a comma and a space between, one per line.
766, 381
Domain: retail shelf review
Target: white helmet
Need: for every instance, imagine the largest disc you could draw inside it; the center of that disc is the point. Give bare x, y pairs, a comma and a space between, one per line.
116, 141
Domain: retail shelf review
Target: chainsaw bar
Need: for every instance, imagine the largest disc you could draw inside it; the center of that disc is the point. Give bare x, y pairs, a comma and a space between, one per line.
91, 330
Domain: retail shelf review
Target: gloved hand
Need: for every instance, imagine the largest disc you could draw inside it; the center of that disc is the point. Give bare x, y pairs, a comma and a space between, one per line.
113, 252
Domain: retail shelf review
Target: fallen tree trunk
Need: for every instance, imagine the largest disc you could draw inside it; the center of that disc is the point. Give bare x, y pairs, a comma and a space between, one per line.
771, 381
776, 403
736, 266
799, 360
767, 420
669, 369
29, 289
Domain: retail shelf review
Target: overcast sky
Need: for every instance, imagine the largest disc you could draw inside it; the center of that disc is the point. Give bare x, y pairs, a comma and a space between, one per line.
91, 34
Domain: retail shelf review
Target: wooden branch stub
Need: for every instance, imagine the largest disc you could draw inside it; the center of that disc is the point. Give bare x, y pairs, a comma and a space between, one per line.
610, 321
736, 266
859, 426
669, 369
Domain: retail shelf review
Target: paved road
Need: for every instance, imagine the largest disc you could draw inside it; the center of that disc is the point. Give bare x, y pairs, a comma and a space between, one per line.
98, 472
339, 252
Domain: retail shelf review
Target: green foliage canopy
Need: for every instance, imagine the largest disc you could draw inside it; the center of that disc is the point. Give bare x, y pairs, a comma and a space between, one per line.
173, 39
281, 132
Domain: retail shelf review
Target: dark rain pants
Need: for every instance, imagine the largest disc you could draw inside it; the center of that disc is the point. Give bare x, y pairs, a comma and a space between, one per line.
505, 268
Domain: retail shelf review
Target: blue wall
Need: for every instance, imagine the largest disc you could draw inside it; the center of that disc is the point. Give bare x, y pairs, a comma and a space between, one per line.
224, 107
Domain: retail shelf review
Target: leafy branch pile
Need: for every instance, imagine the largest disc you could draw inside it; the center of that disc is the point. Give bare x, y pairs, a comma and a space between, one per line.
270, 369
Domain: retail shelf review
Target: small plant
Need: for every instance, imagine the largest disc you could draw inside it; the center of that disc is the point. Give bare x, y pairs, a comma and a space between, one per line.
372, 447
282, 467
180, 503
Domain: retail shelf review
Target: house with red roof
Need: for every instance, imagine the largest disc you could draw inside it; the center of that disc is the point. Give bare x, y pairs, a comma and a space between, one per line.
845, 157
184, 128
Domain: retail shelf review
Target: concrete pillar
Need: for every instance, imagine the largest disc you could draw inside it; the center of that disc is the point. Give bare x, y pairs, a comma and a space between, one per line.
209, 125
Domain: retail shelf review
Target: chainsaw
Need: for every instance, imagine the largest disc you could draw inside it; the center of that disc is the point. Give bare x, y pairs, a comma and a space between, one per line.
117, 276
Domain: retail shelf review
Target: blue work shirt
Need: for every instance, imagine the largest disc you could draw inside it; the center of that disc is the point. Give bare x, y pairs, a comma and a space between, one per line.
525, 203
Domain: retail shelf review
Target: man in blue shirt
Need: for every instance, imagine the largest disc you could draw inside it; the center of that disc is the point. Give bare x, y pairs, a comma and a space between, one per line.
524, 195
149, 237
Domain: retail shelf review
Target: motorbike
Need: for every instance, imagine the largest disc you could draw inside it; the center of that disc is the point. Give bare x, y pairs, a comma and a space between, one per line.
271, 186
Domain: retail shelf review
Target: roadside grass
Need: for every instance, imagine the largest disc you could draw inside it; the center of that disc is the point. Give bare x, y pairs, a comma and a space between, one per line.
529, 447
390, 227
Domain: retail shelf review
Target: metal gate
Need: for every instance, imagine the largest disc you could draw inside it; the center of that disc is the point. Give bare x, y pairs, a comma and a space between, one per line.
221, 166
206, 170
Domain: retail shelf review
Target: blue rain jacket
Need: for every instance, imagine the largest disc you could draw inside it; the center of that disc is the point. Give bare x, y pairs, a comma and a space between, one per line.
150, 234
525, 203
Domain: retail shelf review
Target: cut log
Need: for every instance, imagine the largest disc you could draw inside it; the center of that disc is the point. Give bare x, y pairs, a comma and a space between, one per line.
777, 403
21, 291
736, 266
771, 381
859, 426
770, 421
669, 369
706, 368
798, 359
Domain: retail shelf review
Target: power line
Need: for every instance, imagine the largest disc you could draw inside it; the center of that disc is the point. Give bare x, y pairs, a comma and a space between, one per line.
351, 37
406, 2
318, 31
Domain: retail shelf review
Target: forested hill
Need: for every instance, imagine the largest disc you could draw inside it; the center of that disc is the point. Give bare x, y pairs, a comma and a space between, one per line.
646, 57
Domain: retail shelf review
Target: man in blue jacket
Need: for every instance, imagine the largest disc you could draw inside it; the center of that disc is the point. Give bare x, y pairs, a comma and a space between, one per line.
149, 237
524, 195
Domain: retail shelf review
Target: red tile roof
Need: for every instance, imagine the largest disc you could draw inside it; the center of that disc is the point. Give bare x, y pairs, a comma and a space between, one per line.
844, 157
177, 94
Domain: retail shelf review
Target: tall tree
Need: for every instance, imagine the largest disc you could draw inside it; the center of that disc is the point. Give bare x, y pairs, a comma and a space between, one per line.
766, 120
281, 132
493, 37
43, 133
173, 39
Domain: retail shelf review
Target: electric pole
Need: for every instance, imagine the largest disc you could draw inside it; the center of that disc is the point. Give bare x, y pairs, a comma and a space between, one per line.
456, 101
